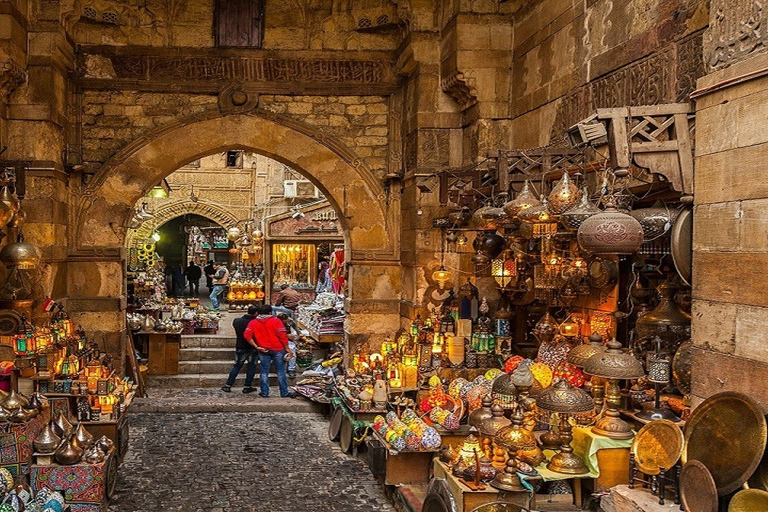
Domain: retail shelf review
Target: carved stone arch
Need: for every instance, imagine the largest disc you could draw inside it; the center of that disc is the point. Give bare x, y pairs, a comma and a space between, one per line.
170, 211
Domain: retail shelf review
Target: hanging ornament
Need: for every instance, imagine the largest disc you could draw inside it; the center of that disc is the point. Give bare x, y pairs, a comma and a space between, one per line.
564, 195
572, 218
233, 233
10, 199
610, 232
537, 221
656, 221
489, 217
524, 200
441, 276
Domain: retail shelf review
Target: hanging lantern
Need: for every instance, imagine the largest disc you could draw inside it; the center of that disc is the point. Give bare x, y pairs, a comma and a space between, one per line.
524, 200
244, 241
564, 195
504, 269
537, 221
573, 218
24, 340
489, 217
656, 221
610, 232
233, 233
569, 328
441, 276
43, 338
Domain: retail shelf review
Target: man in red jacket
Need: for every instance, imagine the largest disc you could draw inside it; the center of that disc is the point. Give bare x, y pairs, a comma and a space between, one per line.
272, 340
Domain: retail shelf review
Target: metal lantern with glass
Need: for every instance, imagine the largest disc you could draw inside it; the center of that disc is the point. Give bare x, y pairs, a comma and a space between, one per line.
566, 401
613, 364
659, 374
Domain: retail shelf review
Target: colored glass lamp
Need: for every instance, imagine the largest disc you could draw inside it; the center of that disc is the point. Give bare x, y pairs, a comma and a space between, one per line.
613, 364
565, 400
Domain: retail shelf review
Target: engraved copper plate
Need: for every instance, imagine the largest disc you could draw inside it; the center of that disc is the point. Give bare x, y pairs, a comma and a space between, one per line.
749, 500
697, 488
659, 444
727, 433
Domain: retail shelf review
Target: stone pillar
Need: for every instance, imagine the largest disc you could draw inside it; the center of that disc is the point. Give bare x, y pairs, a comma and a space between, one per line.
730, 306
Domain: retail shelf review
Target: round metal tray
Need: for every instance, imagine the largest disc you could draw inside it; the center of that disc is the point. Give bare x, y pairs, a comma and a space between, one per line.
749, 500
697, 488
726, 433
657, 445
682, 245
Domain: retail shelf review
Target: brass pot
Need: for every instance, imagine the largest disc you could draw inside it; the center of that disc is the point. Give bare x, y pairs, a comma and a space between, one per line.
21, 255
38, 401
68, 453
5, 414
84, 438
47, 441
62, 426
15, 400
105, 444
94, 456
19, 415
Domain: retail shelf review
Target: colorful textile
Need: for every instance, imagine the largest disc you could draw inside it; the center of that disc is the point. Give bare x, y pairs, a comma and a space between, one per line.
83, 485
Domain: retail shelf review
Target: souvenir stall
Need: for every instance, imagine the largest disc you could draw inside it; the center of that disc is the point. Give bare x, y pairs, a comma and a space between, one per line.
299, 251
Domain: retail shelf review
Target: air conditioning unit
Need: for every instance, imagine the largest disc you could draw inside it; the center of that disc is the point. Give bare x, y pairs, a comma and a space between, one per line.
300, 189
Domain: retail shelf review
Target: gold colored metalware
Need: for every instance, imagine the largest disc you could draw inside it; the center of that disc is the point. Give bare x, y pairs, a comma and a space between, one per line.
697, 488
727, 433
749, 500
659, 444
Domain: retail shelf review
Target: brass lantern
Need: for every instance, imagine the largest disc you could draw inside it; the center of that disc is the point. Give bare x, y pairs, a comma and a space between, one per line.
565, 400
524, 200
613, 364
564, 195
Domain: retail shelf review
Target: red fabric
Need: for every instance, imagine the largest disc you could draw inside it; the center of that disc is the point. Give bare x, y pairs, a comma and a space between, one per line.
268, 333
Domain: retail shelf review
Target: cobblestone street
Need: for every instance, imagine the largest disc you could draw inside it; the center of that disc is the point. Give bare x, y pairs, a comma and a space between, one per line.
232, 462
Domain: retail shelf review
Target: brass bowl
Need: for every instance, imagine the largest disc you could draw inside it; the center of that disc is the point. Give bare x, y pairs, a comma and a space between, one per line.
697, 488
735, 425
749, 500
659, 444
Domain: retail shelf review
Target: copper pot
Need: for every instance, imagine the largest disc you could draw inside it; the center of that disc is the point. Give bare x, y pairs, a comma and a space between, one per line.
47, 441
84, 438
14, 400
68, 453
62, 426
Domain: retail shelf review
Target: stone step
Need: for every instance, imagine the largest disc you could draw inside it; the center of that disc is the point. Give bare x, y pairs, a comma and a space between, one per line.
207, 354
204, 380
208, 341
220, 367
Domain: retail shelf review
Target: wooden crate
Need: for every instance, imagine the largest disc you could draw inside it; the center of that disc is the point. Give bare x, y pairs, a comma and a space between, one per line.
406, 468
164, 353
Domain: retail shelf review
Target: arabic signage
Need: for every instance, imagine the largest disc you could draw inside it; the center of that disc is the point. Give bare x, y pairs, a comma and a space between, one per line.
318, 222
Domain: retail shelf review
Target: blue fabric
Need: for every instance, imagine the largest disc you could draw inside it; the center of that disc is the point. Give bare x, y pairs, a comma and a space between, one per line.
217, 289
241, 356
267, 358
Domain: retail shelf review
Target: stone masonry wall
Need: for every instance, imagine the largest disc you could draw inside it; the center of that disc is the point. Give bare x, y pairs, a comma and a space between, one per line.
112, 119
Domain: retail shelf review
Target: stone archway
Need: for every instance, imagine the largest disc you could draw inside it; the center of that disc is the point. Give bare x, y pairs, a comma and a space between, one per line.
369, 215
172, 210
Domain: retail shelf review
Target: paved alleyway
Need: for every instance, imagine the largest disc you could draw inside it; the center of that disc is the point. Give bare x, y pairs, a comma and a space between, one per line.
240, 462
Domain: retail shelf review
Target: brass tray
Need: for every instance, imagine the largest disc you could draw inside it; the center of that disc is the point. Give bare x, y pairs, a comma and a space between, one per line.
682, 245
659, 444
726, 433
697, 488
749, 500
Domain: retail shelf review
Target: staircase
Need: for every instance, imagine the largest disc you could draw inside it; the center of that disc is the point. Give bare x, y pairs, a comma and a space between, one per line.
204, 362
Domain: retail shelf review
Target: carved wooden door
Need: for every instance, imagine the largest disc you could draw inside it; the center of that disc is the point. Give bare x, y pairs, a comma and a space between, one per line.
239, 23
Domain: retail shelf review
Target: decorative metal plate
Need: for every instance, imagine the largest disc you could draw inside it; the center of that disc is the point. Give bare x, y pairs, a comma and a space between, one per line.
749, 500
726, 433
682, 245
334, 426
697, 488
9, 322
347, 434
659, 444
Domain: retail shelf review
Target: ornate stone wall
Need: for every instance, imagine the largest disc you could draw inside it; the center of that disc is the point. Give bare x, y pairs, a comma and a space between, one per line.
113, 119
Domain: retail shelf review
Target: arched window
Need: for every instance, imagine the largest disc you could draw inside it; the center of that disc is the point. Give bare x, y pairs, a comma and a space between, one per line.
239, 23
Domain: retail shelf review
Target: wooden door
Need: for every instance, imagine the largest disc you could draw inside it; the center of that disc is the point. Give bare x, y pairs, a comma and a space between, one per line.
239, 23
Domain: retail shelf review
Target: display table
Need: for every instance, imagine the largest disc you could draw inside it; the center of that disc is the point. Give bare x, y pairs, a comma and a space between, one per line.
86, 487
16, 442
405, 467
467, 499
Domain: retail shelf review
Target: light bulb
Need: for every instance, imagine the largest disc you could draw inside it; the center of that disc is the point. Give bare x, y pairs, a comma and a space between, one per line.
156, 236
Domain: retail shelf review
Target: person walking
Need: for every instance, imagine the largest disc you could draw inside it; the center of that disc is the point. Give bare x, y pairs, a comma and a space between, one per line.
178, 280
193, 273
293, 337
209, 271
245, 352
219, 280
270, 335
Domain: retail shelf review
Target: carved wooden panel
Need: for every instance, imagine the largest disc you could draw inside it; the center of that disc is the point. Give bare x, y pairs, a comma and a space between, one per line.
736, 31
239, 23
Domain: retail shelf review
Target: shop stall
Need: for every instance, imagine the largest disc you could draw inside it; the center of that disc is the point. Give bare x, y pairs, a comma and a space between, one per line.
305, 250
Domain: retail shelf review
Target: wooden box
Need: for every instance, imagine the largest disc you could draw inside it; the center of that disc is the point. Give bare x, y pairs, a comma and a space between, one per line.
164, 353
406, 468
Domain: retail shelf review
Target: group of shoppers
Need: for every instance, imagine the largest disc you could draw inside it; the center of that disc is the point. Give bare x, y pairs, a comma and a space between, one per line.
269, 338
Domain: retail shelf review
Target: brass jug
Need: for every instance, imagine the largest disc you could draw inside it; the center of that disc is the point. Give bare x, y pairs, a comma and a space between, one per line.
68, 453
